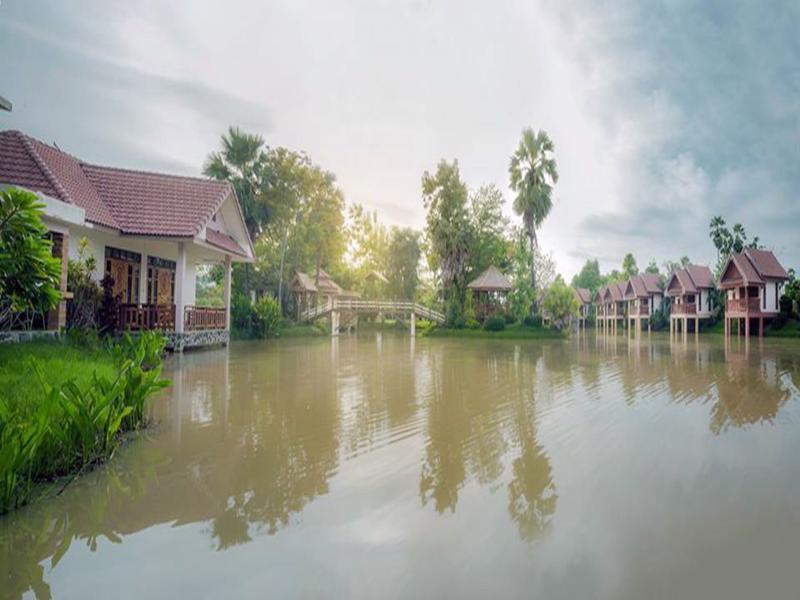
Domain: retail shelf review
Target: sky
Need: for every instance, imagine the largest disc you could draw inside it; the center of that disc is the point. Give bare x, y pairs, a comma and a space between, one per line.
662, 114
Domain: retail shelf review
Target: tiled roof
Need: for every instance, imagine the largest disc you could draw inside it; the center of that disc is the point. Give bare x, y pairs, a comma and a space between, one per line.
651, 283
690, 279
766, 264
134, 202
224, 242
701, 276
617, 291
490, 280
584, 295
635, 287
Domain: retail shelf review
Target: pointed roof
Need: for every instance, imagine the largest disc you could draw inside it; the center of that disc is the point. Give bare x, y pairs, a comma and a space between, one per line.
584, 295
642, 285
689, 280
751, 267
301, 282
376, 276
601, 293
326, 284
490, 280
616, 291
133, 202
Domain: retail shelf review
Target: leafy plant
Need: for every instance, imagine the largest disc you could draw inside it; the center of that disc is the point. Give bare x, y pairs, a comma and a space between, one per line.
560, 303
86, 294
29, 274
495, 323
266, 317
108, 313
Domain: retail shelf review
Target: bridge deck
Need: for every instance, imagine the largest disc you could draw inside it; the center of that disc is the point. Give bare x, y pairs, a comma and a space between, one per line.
373, 307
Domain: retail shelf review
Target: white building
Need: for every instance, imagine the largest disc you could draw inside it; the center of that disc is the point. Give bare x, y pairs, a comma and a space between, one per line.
149, 231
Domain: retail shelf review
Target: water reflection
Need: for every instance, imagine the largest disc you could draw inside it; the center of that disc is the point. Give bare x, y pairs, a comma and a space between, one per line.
252, 436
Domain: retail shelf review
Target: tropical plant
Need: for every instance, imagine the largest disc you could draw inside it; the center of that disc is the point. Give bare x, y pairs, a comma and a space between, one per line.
560, 303
266, 317
522, 294
108, 312
86, 294
533, 174
495, 323
589, 277
448, 232
729, 241
29, 274
629, 266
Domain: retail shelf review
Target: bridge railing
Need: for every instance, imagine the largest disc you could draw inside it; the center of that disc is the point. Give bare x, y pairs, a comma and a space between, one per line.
373, 306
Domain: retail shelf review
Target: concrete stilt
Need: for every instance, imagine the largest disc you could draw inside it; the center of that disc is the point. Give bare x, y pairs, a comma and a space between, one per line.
413, 324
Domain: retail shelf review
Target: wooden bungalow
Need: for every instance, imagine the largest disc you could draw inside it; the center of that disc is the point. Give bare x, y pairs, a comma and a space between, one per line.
644, 296
585, 300
490, 290
753, 282
613, 306
690, 289
313, 290
304, 290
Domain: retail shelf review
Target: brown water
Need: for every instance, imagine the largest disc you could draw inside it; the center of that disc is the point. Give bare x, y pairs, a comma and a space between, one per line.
382, 466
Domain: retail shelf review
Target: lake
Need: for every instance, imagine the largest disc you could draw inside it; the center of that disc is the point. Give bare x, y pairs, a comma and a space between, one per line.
384, 466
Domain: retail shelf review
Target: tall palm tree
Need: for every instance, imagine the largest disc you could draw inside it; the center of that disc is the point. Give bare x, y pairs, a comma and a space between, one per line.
242, 162
533, 174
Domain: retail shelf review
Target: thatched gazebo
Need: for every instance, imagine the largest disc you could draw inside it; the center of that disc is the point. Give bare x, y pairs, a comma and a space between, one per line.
490, 290
304, 290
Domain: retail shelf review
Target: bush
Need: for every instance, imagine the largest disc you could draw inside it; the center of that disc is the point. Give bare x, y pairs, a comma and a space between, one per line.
495, 323
532, 321
472, 323
86, 294
266, 317
658, 321
509, 318
241, 316
108, 313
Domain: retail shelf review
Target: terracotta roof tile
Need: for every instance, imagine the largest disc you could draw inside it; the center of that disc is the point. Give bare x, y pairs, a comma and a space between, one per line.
766, 264
134, 202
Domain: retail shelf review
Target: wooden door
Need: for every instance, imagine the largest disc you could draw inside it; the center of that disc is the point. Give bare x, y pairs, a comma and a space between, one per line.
119, 273
164, 286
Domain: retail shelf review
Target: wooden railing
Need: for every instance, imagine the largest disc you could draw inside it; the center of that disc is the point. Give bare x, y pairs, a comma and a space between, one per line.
684, 309
139, 317
743, 305
203, 317
373, 306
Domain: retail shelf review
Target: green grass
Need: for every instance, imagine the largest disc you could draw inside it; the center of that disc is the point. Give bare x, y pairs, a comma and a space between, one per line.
64, 408
511, 332
60, 363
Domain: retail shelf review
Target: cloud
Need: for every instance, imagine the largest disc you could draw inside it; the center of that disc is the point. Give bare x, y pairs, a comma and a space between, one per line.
662, 114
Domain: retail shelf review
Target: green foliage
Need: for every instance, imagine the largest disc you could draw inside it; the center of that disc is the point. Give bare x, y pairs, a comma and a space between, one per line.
521, 296
495, 323
728, 241
241, 316
72, 423
29, 274
589, 277
489, 243
266, 318
658, 320
403, 263
560, 303
532, 321
86, 294
454, 312
533, 174
447, 228
629, 266
210, 287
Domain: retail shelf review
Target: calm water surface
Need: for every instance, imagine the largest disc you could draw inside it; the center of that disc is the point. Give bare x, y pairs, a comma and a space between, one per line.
381, 466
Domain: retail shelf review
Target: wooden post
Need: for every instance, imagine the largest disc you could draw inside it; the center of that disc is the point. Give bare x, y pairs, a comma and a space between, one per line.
747, 327
180, 286
226, 291
761, 327
413, 323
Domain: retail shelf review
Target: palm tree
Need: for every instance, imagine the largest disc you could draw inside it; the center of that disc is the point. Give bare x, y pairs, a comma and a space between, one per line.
242, 162
533, 174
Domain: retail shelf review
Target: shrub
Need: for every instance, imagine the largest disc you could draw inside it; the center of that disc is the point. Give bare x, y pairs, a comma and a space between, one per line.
86, 294
454, 312
29, 274
560, 303
266, 317
108, 313
509, 318
658, 320
241, 316
495, 323
532, 321
472, 323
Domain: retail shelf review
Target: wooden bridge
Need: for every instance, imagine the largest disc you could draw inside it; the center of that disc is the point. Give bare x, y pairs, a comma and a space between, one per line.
350, 309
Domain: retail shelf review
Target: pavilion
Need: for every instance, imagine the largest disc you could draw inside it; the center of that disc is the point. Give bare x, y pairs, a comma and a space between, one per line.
490, 290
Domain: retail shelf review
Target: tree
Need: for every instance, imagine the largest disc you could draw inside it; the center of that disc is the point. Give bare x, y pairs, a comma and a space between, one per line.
241, 162
368, 242
729, 241
589, 277
521, 295
629, 266
560, 302
404, 254
652, 268
447, 229
489, 245
533, 174
29, 274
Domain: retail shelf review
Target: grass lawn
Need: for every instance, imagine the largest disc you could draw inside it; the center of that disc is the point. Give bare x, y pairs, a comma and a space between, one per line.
60, 363
511, 332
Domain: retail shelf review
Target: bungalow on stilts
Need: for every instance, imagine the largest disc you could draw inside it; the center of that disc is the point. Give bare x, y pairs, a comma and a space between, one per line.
644, 297
585, 301
753, 282
690, 291
613, 306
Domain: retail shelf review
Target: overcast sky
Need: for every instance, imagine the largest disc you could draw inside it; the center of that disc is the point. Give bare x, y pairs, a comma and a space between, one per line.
661, 117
